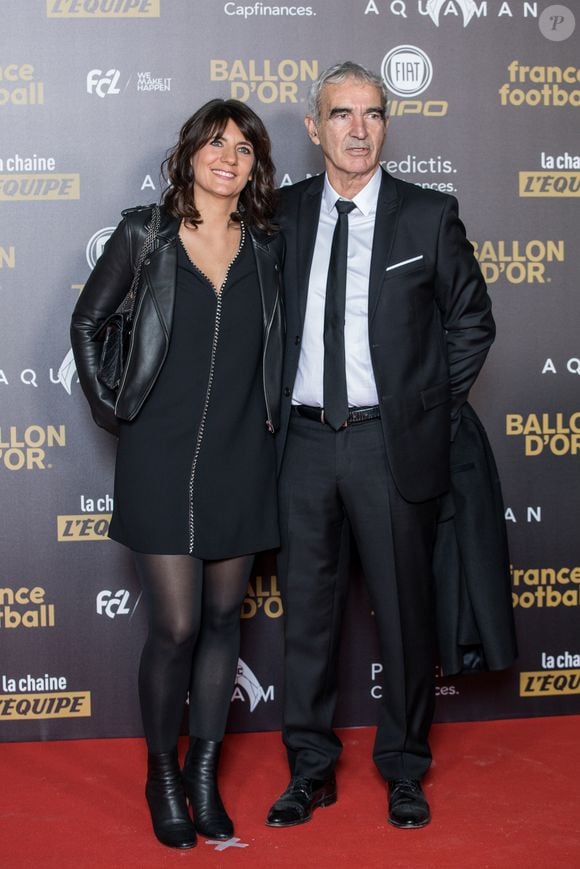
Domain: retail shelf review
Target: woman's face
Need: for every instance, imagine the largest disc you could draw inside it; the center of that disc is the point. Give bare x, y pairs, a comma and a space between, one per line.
223, 166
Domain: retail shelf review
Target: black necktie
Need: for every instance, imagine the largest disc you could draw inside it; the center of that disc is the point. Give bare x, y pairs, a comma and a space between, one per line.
335, 394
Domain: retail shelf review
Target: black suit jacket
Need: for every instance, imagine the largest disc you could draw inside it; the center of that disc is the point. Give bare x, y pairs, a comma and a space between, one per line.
471, 563
430, 322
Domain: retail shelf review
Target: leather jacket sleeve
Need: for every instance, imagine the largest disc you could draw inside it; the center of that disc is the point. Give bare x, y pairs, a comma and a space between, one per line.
105, 289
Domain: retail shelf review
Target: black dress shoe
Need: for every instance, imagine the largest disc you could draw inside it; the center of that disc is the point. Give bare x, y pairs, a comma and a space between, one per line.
299, 800
408, 807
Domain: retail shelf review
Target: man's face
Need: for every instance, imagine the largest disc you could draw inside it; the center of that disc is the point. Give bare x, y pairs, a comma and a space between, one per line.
351, 131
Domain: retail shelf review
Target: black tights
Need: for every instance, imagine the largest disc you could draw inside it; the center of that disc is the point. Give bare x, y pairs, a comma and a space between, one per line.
193, 609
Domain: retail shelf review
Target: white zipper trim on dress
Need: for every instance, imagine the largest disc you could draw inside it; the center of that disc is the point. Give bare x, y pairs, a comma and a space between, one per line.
201, 429
269, 421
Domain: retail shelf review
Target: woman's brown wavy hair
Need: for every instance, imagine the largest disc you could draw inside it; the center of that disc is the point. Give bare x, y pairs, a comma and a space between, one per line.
257, 200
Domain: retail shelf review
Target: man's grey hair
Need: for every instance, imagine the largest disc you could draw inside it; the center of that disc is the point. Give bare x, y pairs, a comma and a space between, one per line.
337, 74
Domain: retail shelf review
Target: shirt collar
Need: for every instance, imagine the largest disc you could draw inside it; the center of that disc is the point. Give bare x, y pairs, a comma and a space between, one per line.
365, 200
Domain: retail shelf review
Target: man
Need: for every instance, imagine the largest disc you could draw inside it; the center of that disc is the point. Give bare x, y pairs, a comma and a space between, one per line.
383, 346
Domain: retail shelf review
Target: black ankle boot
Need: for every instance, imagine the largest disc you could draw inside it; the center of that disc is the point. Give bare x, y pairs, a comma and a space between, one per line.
167, 804
200, 780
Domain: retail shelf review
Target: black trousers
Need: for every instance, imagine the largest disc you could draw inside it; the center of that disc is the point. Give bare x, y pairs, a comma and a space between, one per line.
334, 484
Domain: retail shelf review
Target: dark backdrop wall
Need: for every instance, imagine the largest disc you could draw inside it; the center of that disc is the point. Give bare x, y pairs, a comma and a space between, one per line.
485, 105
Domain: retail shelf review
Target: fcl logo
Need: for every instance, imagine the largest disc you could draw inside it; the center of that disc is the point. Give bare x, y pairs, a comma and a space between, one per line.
467, 7
112, 605
103, 83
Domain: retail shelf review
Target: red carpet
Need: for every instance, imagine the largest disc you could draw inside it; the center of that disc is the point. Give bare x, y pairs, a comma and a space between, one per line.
502, 793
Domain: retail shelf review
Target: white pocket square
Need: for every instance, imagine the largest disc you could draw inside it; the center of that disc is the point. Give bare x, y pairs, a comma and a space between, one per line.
404, 262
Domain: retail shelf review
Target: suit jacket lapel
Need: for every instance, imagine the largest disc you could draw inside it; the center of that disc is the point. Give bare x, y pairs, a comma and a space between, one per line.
308, 215
388, 206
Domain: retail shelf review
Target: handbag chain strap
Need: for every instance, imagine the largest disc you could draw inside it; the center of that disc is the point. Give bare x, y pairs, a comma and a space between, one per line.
146, 248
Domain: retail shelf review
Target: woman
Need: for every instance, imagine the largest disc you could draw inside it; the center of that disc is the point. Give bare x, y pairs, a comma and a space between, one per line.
195, 412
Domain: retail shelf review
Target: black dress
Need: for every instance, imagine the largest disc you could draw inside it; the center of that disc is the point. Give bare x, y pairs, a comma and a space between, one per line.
195, 470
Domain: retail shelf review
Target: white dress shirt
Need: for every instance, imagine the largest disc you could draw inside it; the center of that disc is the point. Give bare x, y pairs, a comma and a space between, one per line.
360, 381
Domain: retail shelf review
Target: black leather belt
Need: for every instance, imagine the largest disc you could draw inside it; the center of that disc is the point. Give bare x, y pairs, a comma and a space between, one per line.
355, 414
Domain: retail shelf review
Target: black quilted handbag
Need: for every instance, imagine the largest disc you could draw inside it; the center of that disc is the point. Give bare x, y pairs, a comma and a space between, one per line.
115, 332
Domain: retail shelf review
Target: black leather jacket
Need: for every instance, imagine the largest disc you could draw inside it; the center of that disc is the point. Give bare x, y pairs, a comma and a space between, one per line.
108, 285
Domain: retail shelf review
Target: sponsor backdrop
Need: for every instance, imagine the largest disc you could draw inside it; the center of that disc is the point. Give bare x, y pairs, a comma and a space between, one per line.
485, 104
